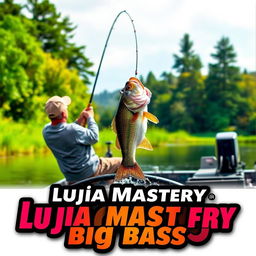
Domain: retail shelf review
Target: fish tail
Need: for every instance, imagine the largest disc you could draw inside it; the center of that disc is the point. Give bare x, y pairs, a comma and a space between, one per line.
125, 172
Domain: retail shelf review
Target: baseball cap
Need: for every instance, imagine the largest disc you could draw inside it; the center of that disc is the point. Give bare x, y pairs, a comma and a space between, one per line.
56, 105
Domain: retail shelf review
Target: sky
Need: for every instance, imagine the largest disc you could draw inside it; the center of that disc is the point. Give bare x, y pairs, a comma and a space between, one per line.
160, 25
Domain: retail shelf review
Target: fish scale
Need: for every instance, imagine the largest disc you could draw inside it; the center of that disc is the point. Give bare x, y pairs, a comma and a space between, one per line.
126, 130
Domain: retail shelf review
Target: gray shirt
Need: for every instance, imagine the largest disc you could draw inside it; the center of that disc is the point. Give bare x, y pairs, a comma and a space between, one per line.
71, 146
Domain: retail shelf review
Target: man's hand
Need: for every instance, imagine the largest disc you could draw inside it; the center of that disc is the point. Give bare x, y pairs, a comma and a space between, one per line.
85, 114
88, 112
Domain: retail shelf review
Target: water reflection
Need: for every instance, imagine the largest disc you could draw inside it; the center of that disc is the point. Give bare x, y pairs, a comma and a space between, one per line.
43, 169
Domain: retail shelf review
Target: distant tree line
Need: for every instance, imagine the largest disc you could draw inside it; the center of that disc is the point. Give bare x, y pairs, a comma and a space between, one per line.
38, 60
223, 100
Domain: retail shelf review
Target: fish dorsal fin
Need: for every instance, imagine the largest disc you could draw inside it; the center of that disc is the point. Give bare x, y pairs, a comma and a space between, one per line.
113, 124
151, 117
145, 144
117, 143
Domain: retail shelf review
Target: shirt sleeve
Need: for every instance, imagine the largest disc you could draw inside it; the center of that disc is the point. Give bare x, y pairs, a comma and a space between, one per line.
87, 136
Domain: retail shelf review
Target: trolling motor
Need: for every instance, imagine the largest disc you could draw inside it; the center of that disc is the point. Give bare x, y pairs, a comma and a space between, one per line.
224, 171
228, 156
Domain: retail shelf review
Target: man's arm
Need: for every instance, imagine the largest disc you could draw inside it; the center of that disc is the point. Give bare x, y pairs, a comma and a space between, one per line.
90, 135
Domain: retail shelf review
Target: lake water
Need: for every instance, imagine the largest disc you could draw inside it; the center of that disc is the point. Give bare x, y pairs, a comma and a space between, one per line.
43, 170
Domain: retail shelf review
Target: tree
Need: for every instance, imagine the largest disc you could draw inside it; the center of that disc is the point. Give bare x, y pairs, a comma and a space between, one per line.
151, 83
157, 87
246, 116
223, 94
106, 118
107, 103
21, 57
28, 76
189, 94
52, 30
161, 105
168, 77
55, 34
9, 7
59, 80
188, 61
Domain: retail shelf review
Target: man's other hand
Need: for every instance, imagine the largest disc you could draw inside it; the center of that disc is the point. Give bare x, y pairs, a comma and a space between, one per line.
85, 114
88, 112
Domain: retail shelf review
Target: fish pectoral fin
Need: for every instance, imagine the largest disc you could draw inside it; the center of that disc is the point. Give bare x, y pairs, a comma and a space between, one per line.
113, 124
117, 143
151, 117
145, 144
125, 172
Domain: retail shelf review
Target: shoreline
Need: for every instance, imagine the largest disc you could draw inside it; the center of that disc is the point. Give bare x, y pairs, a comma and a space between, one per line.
158, 137
26, 139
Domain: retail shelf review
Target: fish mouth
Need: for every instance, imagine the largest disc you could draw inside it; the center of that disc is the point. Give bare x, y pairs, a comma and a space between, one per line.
132, 84
136, 81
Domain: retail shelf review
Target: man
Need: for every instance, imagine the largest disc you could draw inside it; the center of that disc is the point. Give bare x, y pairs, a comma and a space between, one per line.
71, 143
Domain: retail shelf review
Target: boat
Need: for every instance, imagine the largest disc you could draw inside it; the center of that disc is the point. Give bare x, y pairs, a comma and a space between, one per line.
225, 170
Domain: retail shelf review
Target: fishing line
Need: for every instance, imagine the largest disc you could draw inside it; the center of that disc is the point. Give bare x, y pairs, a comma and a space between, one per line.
105, 47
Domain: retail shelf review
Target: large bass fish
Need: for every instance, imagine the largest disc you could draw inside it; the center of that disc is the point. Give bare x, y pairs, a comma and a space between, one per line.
130, 125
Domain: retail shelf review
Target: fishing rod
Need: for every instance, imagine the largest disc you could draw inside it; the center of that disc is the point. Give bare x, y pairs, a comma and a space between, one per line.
105, 47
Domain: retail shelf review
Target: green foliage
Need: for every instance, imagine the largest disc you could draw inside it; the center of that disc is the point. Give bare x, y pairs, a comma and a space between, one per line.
107, 103
59, 80
188, 96
53, 31
246, 118
224, 100
30, 138
9, 7
55, 34
222, 90
38, 60
106, 118
21, 57
161, 105
188, 61
158, 87
17, 138
252, 124
188, 102
28, 76
107, 99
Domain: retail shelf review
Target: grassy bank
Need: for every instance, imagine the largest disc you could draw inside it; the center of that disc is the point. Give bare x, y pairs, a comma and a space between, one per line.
160, 137
20, 138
